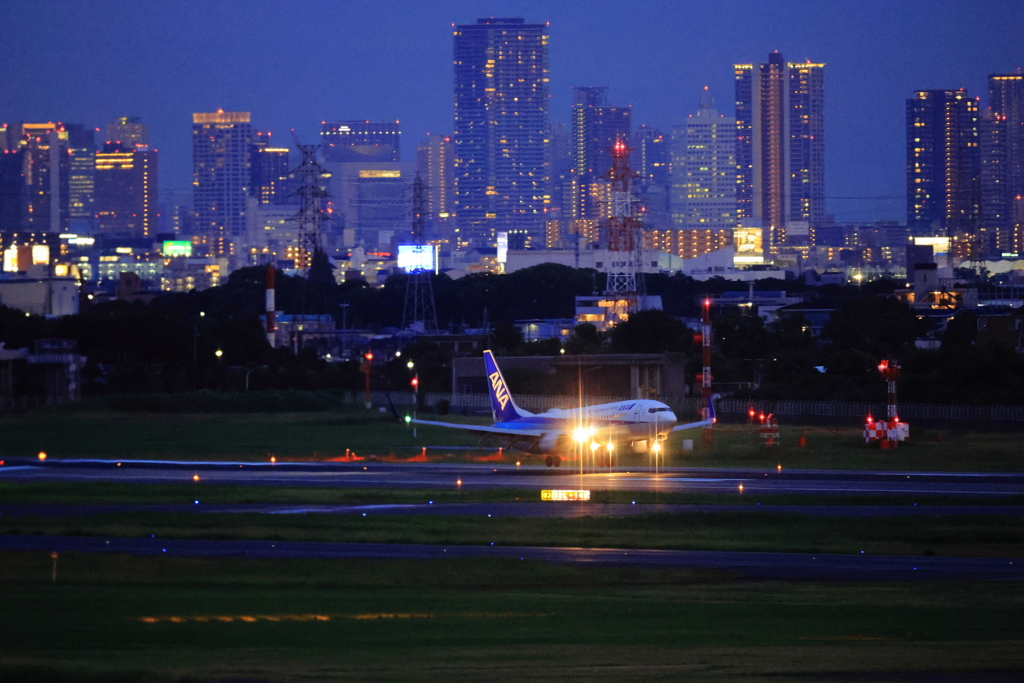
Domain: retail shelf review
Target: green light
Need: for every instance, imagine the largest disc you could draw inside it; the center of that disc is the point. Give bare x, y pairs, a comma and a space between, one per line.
408, 419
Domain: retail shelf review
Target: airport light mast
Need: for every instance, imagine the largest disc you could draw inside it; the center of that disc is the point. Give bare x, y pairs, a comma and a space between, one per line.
707, 433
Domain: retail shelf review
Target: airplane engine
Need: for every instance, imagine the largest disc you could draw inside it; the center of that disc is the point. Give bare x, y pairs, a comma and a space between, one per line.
639, 446
554, 443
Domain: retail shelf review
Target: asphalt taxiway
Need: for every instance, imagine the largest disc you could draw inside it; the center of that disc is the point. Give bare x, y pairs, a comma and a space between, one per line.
472, 476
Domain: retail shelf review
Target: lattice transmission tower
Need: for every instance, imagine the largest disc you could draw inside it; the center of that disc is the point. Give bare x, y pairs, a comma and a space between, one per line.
418, 313
625, 238
311, 213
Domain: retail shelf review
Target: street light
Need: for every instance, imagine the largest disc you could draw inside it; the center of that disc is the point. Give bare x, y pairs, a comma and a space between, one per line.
249, 373
415, 384
367, 368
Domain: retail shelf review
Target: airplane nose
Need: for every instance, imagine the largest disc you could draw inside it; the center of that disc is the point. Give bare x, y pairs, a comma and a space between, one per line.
670, 417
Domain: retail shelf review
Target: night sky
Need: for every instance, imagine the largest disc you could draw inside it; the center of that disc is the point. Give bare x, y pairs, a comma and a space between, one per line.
296, 63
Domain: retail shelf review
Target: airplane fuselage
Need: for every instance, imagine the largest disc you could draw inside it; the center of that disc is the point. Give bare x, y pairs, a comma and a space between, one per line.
629, 422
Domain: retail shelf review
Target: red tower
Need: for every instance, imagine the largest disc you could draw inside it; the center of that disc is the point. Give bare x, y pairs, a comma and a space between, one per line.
624, 239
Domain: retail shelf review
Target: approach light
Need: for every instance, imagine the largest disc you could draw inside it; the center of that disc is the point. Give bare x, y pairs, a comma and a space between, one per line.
369, 355
218, 353
409, 365
42, 455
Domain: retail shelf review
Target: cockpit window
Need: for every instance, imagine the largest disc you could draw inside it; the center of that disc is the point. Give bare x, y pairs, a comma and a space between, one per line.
658, 410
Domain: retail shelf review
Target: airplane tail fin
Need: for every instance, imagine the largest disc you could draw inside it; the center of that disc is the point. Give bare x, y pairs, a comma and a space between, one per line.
503, 408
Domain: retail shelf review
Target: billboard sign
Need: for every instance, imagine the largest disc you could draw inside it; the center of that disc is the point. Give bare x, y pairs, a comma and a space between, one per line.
417, 257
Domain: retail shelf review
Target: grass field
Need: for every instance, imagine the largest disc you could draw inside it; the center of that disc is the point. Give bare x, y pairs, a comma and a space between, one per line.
111, 493
486, 620
970, 536
160, 619
111, 434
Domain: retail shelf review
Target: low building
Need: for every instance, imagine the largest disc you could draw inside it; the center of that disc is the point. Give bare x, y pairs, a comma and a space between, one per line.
48, 296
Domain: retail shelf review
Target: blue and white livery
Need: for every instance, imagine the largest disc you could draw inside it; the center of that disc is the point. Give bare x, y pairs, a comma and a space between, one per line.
640, 424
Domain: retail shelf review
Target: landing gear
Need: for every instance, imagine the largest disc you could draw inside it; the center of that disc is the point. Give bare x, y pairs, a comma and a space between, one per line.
553, 461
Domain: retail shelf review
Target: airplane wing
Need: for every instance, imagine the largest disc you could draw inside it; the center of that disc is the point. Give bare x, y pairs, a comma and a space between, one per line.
693, 425
498, 429
703, 423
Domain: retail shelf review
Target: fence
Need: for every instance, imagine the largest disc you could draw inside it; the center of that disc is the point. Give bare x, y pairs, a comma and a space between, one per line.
735, 410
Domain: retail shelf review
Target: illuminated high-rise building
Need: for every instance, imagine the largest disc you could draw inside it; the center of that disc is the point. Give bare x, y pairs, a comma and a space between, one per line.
943, 167
40, 164
652, 155
1002, 166
595, 129
221, 174
501, 129
780, 149
361, 141
81, 178
704, 170
435, 165
129, 131
270, 169
126, 190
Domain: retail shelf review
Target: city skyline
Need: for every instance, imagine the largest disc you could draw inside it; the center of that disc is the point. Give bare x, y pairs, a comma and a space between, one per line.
393, 61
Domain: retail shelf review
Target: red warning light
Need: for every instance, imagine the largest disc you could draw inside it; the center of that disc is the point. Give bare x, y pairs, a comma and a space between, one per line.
415, 382
369, 355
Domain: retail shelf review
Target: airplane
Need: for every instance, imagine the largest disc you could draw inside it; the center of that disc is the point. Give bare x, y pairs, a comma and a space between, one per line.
641, 424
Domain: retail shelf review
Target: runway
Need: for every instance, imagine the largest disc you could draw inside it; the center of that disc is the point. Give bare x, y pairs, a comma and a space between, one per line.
433, 476
992, 489
742, 564
521, 509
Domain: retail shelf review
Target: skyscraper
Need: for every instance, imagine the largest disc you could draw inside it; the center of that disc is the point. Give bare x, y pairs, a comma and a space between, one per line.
595, 129
81, 178
41, 152
435, 157
354, 141
270, 167
221, 173
704, 170
126, 190
1002, 166
780, 149
501, 129
943, 167
128, 130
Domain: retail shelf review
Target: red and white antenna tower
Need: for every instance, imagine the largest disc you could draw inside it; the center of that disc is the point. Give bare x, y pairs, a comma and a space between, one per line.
271, 327
890, 373
624, 238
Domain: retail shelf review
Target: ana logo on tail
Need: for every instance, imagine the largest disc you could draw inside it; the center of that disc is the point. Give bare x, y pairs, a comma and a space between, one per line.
500, 392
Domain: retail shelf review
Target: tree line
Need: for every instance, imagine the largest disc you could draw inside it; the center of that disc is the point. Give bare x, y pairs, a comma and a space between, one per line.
171, 343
